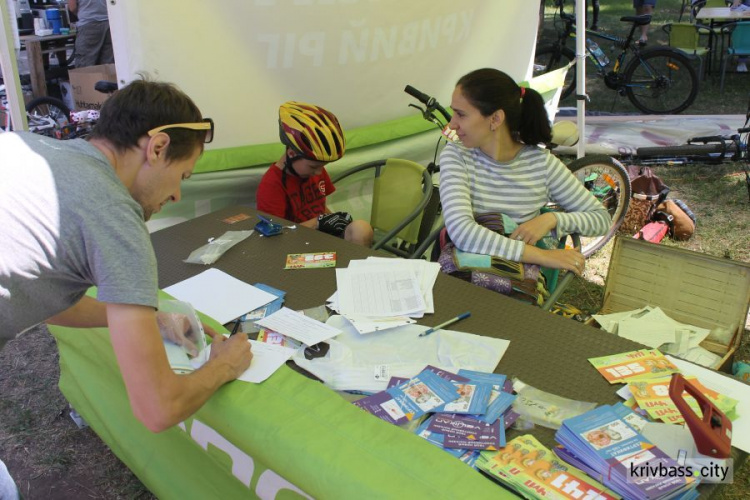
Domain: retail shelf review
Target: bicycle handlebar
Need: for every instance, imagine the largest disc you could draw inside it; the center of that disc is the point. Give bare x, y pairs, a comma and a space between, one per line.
428, 101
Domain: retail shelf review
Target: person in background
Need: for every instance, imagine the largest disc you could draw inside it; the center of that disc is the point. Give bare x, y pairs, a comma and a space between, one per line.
741, 61
644, 7
93, 40
296, 186
594, 26
72, 216
494, 184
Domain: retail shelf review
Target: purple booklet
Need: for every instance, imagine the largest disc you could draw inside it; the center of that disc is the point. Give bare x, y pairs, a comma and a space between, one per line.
467, 433
384, 407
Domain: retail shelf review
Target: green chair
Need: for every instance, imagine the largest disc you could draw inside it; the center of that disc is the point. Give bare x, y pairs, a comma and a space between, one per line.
397, 192
739, 45
685, 37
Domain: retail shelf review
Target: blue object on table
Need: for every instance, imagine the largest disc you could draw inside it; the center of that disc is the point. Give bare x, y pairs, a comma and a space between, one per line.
267, 228
445, 323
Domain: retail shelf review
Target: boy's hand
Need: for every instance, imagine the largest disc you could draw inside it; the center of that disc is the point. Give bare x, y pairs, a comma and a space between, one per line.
334, 223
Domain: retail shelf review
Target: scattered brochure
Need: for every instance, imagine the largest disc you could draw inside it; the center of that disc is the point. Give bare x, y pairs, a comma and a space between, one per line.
467, 433
423, 394
310, 260
635, 365
472, 398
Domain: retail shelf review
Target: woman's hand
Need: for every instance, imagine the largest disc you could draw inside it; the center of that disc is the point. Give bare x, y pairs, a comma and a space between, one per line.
568, 259
535, 229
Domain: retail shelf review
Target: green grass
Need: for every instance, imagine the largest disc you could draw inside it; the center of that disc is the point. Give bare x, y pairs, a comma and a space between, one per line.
709, 100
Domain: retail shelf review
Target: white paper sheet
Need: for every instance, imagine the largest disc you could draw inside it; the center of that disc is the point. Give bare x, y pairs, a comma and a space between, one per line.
732, 388
267, 358
380, 293
354, 359
645, 332
425, 272
298, 326
219, 295
365, 325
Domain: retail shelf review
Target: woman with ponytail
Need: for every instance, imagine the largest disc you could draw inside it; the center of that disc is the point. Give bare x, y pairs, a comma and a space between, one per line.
494, 184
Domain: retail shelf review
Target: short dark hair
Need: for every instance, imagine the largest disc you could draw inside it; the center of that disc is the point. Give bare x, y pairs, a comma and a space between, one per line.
143, 105
489, 90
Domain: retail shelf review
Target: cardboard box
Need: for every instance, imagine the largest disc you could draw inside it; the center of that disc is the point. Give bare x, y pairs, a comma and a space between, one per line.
690, 287
82, 81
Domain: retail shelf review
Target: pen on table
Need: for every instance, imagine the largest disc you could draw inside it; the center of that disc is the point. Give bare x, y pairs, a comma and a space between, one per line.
445, 323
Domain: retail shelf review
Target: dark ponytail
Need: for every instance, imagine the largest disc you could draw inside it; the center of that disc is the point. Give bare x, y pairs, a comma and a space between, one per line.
489, 89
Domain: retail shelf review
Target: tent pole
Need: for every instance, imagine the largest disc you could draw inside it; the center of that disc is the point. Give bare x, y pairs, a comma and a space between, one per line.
581, 76
9, 67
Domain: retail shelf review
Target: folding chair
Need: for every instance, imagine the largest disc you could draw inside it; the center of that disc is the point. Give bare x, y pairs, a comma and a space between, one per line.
685, 37
399, 191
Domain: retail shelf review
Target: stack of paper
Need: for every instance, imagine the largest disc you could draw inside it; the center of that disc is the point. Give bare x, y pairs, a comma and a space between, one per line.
528, 467
652, 327
380, 293
604, 445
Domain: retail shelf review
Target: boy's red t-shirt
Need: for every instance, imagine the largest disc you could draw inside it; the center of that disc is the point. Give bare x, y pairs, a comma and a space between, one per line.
299, 200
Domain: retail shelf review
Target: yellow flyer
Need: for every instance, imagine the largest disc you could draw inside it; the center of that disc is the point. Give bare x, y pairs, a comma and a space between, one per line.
310, 260
635, 365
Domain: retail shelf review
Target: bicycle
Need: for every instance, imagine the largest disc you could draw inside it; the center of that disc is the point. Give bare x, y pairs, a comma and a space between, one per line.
657, 80
46, 115
602, 175
711, 149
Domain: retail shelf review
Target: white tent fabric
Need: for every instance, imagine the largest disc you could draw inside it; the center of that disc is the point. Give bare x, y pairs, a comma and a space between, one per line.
240, 59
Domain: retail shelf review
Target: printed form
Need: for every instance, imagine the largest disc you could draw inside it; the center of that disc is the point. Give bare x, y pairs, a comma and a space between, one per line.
379, 293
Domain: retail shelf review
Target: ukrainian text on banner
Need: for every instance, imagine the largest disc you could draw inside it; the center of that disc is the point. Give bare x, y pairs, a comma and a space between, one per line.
240, 59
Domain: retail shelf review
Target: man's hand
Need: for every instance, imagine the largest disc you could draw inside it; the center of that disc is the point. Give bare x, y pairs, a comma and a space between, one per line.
334, 223
532, 231
235, 353
175, 327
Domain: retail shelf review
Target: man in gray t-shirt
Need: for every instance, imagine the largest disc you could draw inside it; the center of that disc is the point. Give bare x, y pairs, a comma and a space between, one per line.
72, 216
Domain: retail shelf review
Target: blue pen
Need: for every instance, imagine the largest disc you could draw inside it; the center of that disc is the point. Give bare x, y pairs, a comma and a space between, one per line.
444, 324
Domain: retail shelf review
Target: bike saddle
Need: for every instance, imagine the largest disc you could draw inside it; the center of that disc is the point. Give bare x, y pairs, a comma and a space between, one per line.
105, 87
637, 20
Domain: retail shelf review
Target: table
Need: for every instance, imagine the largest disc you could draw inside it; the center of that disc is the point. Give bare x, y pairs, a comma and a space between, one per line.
722, 14
292, 432
37, 47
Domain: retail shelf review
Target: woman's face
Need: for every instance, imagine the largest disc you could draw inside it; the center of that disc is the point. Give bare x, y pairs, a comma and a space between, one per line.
472, 128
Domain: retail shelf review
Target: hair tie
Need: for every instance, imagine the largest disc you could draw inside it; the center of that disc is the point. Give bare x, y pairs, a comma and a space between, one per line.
523, 91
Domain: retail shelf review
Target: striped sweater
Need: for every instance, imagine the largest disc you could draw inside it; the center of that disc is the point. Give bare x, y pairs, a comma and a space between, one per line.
473, 183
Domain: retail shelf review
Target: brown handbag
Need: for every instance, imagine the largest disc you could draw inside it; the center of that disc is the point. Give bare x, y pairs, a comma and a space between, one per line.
648, 191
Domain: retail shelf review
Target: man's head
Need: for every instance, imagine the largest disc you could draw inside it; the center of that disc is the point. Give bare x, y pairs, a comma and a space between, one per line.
160, 126
312, 135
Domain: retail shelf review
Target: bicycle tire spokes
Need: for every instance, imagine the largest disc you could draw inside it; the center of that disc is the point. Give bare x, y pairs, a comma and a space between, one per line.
661, 82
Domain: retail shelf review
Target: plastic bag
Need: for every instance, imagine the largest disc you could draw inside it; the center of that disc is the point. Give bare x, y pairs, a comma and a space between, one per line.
179, 325
210, 253
545, 409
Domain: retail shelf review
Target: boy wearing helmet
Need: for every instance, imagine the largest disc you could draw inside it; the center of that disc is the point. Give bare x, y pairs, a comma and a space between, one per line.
296, 186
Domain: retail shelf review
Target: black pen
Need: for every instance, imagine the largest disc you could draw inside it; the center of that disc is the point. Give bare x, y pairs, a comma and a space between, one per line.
237, 324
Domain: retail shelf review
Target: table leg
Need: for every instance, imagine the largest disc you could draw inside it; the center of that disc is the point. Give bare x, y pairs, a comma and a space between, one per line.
36, 69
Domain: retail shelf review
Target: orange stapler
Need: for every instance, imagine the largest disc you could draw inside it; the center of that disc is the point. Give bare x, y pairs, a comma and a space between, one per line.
713, 432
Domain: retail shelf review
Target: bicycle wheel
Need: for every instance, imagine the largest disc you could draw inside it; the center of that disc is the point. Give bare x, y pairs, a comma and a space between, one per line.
549, 58
608, 181
47, 116
661, 82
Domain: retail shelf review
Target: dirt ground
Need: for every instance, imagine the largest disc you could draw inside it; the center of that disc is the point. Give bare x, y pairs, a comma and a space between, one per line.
47, 454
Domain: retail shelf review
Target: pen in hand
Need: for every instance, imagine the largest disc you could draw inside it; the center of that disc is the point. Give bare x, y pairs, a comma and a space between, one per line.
445, 323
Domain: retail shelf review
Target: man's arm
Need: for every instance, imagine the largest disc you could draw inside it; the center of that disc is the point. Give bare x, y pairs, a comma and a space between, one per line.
73, 6
160, 398
86, 313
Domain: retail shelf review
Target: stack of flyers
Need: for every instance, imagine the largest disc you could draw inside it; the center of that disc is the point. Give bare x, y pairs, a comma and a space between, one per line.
635, 365
603, 444
411, 399
310, 260
529, 468
653, 396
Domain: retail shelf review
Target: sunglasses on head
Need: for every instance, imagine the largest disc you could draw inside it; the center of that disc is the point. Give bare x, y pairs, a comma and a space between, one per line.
206, 124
